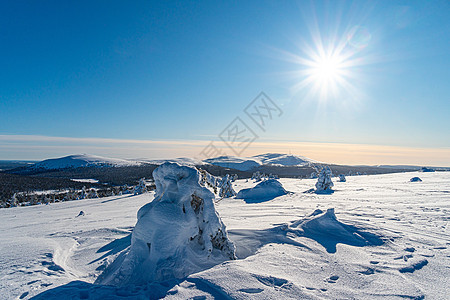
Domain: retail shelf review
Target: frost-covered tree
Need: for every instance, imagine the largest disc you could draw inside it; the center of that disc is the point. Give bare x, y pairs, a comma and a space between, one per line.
256, 176
342, 178
226, 187
92, 194
83, 194
140, 188
324, 182
176, 234
234, 178
13, 201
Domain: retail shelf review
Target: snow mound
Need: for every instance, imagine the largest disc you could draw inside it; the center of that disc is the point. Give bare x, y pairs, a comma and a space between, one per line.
324, 228
83, 160
415, 179
263, 191
176, 234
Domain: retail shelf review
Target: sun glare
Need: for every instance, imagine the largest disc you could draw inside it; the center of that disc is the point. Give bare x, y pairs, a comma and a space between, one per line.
327, 68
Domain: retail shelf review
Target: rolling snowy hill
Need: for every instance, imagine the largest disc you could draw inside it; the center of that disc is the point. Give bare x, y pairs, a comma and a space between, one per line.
270, 159
81, 161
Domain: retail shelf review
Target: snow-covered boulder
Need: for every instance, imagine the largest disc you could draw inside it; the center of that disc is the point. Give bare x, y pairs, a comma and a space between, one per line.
342, 178
324, 183
263, 191
176, 234
415, 179
226, 187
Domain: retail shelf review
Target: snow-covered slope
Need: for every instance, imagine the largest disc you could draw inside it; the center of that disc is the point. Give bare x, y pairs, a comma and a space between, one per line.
233, 162
283, 159
185, 161
249, 163
83, 160
387, 238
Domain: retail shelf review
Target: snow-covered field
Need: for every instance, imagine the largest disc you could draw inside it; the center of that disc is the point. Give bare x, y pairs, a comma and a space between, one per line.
50, 252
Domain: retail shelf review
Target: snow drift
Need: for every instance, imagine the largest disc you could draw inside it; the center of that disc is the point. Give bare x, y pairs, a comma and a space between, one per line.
176, 234
325, 228
263, 191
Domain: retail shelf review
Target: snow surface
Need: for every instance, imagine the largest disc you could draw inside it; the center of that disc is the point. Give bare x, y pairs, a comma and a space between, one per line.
48, 252
249, 163
83, 160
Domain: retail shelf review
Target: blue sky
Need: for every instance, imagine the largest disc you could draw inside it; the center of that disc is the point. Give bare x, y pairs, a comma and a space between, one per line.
182, 71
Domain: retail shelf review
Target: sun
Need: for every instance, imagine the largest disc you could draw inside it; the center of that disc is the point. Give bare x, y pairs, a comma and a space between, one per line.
327, 68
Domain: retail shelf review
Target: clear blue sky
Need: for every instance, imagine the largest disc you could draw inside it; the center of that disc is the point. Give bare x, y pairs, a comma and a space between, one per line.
174, 70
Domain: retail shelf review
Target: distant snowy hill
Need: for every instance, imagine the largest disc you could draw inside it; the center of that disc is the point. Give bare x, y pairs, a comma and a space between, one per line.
186, 161
83, 160
249, 163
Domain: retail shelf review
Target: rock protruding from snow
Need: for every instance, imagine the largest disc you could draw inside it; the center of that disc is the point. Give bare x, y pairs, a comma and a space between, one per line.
226, 187
176, 234
342, 178
324, 183
415, 179
263, 191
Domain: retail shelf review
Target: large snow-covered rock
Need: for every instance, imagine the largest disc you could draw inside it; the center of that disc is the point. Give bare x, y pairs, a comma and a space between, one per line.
263, 191
176, 234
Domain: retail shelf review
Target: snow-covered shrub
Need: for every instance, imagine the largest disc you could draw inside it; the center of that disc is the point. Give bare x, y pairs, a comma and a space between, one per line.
324, 182
342, 178
140, 188
226, 187
177, 234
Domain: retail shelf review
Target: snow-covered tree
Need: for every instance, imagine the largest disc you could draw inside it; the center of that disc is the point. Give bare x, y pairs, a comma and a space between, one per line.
92, 194
256, 176
164, 245
226, 187
83, 194
342, 178
324, 182
140, 188
13, 201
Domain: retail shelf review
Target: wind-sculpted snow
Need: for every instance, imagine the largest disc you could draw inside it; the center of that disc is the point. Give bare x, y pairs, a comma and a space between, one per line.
176, 234
324, 228
263, 191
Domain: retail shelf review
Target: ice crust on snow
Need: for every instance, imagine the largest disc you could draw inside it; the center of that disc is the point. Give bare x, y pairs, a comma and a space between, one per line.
263, 191
176, 234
